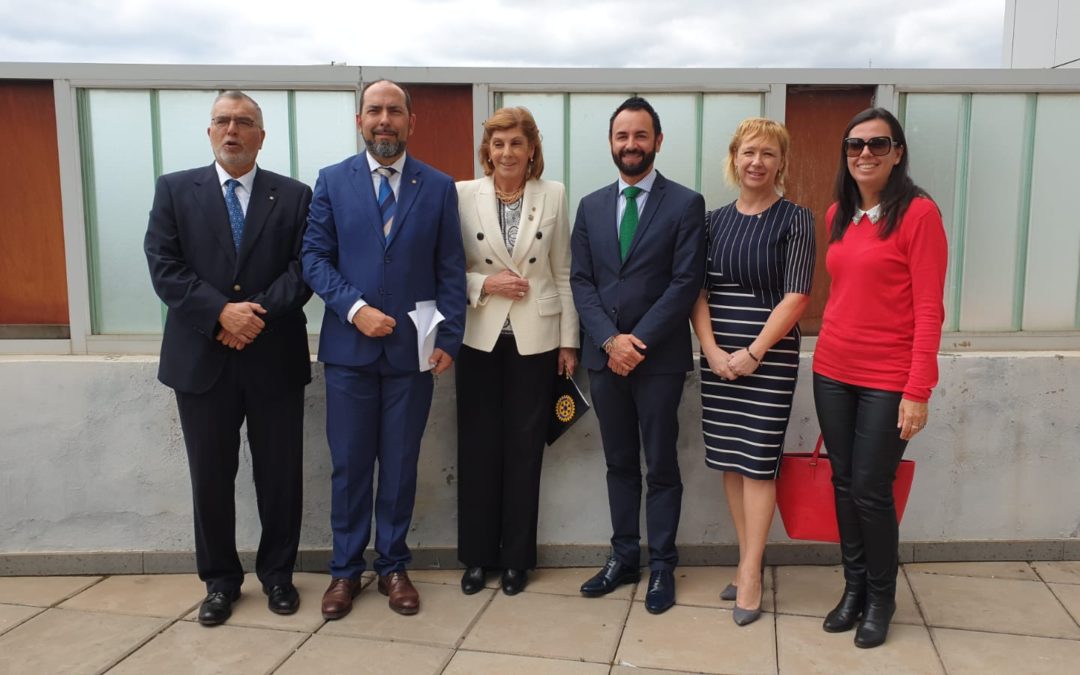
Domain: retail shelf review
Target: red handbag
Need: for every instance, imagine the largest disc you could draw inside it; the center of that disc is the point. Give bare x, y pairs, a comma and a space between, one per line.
804, 493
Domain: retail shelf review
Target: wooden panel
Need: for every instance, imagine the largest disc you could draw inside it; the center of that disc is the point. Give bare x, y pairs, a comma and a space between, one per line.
33, 278
816, 117
443, 120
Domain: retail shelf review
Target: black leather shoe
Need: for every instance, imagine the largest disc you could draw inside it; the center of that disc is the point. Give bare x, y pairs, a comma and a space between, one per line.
216, 608
661, 594
875, 624
283, 598
513, 581
612, 575
473, 580
846, 614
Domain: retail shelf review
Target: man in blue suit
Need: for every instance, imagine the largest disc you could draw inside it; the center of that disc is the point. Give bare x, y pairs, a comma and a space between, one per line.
383, 236
637, 266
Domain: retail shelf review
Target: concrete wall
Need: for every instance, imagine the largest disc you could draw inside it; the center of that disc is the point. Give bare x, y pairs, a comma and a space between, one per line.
92, 459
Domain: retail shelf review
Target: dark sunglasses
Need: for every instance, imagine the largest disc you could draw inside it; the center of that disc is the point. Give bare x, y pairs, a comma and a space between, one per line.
879, 145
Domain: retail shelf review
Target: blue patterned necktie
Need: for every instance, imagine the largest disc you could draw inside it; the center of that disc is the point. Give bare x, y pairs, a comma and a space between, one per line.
236, 212
387, 203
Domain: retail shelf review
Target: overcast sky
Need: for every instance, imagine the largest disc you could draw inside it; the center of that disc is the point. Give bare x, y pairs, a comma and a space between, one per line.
658, 33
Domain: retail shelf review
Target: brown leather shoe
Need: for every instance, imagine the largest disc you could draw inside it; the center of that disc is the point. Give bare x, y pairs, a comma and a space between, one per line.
337, 600
404, 598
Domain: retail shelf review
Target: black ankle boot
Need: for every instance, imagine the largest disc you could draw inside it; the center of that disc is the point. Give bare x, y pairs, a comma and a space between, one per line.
875, 623
846, 614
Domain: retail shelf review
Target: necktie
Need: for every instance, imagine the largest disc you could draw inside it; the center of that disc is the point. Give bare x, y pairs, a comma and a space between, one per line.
387, 203
236, 212
628, 225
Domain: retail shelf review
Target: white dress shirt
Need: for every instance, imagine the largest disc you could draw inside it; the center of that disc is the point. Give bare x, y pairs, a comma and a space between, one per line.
243, 191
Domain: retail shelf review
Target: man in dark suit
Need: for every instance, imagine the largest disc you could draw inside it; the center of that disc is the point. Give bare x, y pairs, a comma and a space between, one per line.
383, 240
637, 265
223, 245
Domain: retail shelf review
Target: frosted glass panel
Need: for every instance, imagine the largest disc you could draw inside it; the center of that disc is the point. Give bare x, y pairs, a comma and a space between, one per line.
721, 113
185, 116
325, 130
590, 152
275, 150
933, 125
121, 192
1054, 231
547, 110
990, 237
677, 159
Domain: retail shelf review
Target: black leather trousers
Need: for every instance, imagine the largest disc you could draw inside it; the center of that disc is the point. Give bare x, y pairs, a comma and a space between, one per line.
864, 447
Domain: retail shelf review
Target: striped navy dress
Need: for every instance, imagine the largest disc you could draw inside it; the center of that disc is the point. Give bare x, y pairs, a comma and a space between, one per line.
752, 262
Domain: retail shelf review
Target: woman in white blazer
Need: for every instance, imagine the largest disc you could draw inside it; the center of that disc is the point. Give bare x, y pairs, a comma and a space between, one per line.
521, 330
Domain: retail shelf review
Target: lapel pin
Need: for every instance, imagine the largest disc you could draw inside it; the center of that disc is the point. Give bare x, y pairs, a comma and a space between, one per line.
271, 197
413, 181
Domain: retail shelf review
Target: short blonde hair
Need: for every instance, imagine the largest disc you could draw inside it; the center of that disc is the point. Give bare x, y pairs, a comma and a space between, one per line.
505, 119
758, 127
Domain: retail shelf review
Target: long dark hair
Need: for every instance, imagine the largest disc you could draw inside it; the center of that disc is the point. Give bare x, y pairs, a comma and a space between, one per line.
895, 197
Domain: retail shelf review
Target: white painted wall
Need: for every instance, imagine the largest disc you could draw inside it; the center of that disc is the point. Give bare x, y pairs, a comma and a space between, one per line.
92, 459
1041, 34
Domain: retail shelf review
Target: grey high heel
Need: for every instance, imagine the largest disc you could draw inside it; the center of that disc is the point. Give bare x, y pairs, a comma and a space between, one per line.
743, 617
730, 592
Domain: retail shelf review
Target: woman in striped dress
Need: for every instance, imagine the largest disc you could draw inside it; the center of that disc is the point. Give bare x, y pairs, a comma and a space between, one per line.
760, 263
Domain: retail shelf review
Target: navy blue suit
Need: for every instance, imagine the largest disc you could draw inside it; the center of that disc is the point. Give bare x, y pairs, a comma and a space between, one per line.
196, 270
377, 399
649, 295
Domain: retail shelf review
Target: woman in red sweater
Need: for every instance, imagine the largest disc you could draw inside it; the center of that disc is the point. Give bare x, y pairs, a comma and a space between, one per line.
875, 362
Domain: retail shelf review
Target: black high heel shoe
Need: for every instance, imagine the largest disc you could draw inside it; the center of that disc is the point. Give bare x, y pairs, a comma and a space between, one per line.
875, 624
513, 581
846, 614
473, 580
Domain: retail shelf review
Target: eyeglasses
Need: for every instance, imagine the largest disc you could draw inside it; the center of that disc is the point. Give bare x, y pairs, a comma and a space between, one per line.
879, 145
223, 122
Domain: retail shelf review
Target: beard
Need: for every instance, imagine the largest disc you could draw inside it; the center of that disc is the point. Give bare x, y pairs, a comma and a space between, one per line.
385, 149
638, 169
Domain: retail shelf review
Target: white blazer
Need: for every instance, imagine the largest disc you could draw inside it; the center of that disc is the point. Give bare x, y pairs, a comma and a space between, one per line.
545, 318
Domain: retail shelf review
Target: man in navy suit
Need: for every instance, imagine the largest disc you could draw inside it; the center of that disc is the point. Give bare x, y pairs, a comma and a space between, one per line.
223, 245
637, 266
383, 236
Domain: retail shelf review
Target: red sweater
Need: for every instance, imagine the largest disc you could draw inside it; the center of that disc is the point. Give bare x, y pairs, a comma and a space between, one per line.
882, 322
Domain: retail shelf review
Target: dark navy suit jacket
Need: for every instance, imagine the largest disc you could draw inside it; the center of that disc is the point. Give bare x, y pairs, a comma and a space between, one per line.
650, 294
196, 269
347, 257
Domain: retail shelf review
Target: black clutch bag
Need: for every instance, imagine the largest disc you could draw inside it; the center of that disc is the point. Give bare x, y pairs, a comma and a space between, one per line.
568, 405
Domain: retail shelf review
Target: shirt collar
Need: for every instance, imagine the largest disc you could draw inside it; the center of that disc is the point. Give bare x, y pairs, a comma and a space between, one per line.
247, 180
398, 165
645, 184
873, 213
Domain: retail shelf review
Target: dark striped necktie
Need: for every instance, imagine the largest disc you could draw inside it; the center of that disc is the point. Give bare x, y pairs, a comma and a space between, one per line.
387, 203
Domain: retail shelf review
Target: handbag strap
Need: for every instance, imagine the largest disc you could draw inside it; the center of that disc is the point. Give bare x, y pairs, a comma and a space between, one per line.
817, 450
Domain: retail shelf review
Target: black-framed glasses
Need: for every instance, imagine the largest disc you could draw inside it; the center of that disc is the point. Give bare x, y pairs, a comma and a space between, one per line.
879, 145
223, 122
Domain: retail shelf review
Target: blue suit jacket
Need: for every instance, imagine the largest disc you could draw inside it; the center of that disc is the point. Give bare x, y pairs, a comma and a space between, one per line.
346, 257
650, 294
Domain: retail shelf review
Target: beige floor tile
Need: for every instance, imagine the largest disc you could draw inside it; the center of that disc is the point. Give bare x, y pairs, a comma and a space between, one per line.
480, 663
628, 670
251, 610
1059, 571
449, 577
550, 626
809, 590
990, 570
165, 595
697, 639
993, 605
13, 615
190, 649
701, 586
445, 614
70, 642
325, 654
1069, 595
805, 648
568, 580
41, 591
969, 652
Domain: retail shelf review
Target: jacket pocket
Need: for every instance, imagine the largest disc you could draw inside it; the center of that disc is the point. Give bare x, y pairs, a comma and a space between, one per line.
549, 306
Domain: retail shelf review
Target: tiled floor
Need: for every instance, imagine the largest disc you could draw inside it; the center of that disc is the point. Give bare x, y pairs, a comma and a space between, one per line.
995, 617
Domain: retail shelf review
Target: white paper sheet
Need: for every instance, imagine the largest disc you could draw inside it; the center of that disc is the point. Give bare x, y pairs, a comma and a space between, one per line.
427, 318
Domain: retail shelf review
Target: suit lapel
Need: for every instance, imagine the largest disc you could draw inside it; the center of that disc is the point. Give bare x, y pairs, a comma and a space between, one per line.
365, 192
532, 212
652, 205
411, 182
487, 214
262, 202
212, 202
607, 237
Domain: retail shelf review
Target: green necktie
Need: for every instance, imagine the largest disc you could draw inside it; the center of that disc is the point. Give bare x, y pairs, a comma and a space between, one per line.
628, 226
